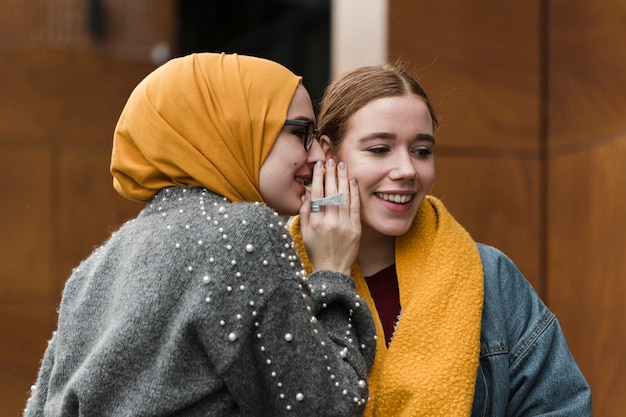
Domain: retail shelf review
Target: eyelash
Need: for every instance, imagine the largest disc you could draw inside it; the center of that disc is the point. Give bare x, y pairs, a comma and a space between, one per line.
378, 150
421, 152
301, 133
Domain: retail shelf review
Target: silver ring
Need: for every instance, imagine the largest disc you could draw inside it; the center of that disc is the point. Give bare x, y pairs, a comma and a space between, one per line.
332, 200
316, 208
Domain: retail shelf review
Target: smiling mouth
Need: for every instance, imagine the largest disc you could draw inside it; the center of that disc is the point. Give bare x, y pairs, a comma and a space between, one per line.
396, 198
304, 181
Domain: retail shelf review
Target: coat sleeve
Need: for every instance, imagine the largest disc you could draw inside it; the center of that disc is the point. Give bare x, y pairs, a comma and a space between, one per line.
286, 343
39, 391
314, 348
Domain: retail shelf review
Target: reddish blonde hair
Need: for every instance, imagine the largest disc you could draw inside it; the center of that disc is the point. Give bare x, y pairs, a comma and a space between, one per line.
350, 92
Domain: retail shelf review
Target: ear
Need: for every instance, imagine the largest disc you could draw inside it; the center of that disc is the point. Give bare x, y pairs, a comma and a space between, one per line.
326, 146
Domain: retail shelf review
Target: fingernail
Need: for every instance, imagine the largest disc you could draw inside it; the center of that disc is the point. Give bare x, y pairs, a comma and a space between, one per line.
319, 164
330, 163
341, 166
353, 182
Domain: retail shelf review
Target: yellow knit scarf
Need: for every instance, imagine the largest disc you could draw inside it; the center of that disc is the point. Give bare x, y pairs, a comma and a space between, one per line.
430, 366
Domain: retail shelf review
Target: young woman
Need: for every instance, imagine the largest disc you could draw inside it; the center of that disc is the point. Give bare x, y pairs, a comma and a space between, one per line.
460, 330
199, 306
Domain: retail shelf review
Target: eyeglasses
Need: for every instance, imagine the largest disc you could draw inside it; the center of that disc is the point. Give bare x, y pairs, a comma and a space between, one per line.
308, 135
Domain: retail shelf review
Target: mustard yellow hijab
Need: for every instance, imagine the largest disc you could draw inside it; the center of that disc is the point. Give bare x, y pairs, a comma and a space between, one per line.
201, 120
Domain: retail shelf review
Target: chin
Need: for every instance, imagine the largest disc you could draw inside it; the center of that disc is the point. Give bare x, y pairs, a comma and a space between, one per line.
396, 230
291, 211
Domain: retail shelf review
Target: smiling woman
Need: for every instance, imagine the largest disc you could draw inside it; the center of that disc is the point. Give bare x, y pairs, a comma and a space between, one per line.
287, 157
460, 330
389, 149
199, 305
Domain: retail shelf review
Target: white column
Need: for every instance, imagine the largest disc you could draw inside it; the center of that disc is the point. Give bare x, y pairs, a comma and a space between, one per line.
358, 34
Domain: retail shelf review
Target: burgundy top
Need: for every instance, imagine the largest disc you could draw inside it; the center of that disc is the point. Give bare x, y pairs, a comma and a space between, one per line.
383, 287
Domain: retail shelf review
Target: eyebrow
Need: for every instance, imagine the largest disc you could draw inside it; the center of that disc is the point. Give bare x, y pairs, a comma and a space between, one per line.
388, 136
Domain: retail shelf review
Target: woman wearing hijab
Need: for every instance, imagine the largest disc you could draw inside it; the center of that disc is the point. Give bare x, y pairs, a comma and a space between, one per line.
199, 306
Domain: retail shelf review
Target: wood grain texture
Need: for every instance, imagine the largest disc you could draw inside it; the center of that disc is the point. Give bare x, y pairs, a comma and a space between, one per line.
84, 176
27, 233
477, 191
586, 73
58, 113
29, 325
587, 266
534, 95
479, 61
587, 190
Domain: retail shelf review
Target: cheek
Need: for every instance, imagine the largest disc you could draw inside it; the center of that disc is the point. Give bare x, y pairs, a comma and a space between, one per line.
359, 172
289, 162
354, 165
298, 157
426, 175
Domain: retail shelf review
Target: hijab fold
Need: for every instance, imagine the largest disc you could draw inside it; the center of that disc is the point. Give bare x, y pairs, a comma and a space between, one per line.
206, 120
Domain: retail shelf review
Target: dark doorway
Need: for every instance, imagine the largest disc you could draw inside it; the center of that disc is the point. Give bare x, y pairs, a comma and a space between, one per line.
295, 33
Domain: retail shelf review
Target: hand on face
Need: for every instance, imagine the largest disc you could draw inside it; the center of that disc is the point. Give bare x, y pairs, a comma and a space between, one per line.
388, 147
332, 236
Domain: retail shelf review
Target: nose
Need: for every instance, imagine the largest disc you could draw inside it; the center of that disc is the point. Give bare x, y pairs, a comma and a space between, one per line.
315, 153
403, 167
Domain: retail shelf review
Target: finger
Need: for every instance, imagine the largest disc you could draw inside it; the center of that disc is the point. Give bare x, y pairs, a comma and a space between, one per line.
330, 185
355, 205
343, 187
317, 184
330, 180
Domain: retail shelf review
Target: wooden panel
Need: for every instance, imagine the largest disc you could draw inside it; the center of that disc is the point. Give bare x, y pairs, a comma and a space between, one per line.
30, 325
587, 70
131, 30
483, 63
58, 113
479, 62
26, 227
587, 265
587, 183
477, 191
63, 97
84, 177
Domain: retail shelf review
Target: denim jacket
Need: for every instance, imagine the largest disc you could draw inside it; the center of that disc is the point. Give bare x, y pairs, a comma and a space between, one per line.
525, 368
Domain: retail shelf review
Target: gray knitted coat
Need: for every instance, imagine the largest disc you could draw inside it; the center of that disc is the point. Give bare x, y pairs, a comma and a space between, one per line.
199, 307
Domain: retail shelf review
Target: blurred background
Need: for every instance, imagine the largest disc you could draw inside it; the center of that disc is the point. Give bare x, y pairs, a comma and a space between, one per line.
531, 153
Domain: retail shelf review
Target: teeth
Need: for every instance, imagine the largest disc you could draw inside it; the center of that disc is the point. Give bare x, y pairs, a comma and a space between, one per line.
305, 181
396, 198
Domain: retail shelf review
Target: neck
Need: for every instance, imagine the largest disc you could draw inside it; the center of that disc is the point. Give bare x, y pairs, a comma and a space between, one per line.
376, 252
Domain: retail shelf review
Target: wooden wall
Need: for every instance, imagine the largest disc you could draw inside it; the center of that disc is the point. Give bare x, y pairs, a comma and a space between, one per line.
587, 189
61, 93
531, 154
58, 112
